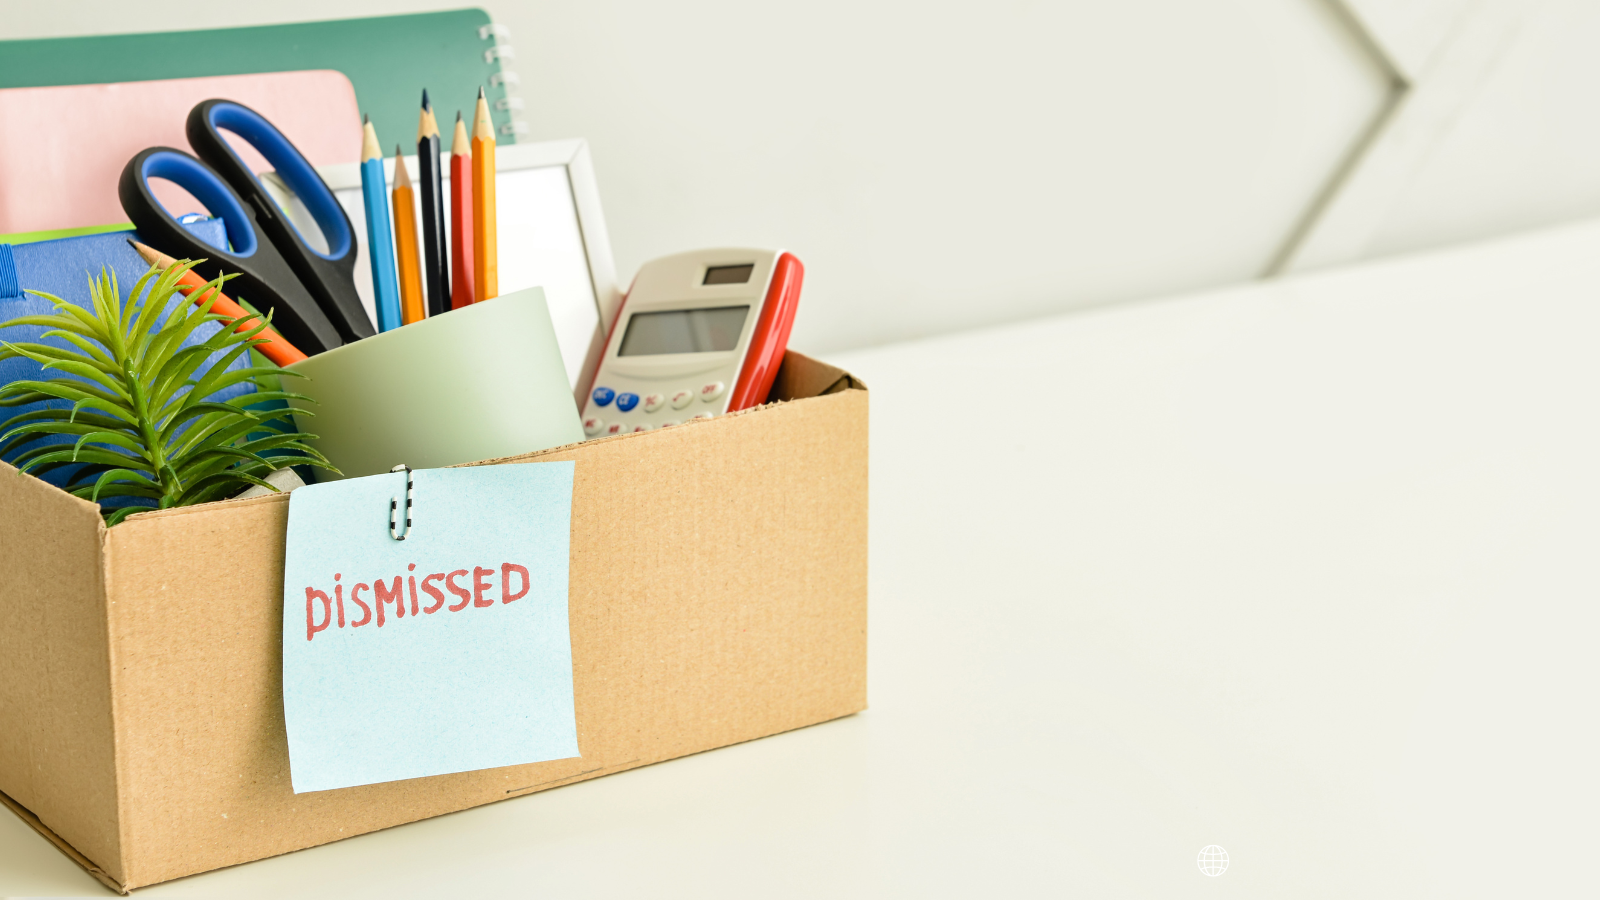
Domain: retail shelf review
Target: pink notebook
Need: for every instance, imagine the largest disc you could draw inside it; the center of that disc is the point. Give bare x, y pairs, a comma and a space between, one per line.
65, 147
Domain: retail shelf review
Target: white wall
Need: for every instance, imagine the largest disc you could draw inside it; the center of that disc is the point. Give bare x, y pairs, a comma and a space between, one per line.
1524, 152
936, 165
940, 165
1494, 128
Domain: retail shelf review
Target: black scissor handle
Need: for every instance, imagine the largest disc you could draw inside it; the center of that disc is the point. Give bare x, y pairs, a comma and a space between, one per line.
330, 276
264, 277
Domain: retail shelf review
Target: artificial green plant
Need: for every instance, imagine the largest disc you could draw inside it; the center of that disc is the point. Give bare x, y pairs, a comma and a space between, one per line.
146, 431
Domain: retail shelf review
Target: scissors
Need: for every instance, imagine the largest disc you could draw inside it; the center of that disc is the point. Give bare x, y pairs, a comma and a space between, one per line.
311, 293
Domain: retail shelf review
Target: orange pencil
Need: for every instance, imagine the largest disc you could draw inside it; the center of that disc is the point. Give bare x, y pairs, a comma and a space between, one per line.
461, 260
485, 256
412, 307
275, 347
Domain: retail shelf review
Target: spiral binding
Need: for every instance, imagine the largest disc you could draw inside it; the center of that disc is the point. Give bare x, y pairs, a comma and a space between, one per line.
502, 52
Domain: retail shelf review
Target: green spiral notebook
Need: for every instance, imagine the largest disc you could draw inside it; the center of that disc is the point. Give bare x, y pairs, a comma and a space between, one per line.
389, 60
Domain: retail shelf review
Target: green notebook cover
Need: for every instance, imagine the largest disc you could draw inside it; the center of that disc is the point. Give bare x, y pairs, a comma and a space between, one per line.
389, 60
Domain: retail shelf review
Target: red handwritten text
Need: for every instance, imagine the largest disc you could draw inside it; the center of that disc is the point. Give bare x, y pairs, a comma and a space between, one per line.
322, 611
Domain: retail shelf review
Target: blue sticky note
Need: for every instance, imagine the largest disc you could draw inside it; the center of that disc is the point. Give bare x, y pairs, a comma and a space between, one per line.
445, 652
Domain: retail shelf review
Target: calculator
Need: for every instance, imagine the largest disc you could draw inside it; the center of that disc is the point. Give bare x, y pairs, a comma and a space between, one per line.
699, 334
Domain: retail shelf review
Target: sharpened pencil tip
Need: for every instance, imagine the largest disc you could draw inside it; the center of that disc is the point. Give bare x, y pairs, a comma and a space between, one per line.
366, 119
458, 115
425, 103
480, 92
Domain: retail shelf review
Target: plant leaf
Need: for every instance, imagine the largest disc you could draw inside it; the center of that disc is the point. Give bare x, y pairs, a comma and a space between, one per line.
142, 425
122, 477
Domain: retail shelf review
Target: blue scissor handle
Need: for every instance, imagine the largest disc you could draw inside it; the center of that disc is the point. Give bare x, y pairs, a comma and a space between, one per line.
291, 166
198, 179
262, 276
330, 275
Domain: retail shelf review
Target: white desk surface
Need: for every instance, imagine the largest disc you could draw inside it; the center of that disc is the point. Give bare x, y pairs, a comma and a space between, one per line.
1304, 569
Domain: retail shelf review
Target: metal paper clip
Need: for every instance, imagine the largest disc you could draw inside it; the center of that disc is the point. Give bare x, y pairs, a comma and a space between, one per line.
394, 504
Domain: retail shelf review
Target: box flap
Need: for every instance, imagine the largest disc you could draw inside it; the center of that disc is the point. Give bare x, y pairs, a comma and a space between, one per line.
801, 377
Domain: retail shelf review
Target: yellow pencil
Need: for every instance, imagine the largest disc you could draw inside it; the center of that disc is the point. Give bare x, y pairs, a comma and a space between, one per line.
405, 245
485, 258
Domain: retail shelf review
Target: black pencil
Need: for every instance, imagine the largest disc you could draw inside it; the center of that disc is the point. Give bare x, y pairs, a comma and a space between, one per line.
436, 262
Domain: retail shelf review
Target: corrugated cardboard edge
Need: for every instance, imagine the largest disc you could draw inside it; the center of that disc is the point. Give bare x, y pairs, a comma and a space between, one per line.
67, 849
57, 704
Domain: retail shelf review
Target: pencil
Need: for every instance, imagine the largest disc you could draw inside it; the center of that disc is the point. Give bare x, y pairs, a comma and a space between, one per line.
435, 264
275, 347
380, 240
460, 217
405, 244
485, 256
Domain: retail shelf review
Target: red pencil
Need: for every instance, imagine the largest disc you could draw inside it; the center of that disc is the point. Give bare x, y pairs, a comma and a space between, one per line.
460, 217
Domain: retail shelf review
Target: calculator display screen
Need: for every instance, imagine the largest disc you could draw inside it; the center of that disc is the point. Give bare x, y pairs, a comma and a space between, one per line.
683, 331
729, 274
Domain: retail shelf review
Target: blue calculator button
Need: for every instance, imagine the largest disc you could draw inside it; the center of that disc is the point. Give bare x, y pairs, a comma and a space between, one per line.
603, 395
626, 402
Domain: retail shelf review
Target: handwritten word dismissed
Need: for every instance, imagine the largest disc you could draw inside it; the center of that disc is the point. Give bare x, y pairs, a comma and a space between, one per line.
513, 585
446, 652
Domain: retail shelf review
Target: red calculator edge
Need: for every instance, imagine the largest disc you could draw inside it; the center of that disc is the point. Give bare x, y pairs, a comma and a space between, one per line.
767, 343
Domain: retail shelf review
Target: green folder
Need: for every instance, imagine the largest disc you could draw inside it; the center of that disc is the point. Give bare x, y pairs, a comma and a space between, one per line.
389, 60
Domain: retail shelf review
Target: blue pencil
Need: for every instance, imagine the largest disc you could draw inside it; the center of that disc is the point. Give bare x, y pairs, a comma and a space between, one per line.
380, 243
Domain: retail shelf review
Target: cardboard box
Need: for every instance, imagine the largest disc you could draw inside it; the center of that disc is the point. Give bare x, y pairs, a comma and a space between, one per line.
718, 594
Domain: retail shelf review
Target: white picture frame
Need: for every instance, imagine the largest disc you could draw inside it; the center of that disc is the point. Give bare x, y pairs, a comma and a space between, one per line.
552, 234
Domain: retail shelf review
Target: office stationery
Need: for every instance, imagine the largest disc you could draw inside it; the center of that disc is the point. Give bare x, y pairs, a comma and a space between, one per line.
309, 287
264, 276
552, 225
700, 334
435, 254
143, 430
63, 266
53, 234
460, 216
386, 58
483, 382
446, 652
64, 176
386, 292
322, 257
273, 346
412, 304
485, 246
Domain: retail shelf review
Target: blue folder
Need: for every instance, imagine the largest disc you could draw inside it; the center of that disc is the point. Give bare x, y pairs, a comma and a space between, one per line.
63, 267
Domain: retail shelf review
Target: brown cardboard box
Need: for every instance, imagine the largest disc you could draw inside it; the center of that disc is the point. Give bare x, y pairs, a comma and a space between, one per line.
718, 594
